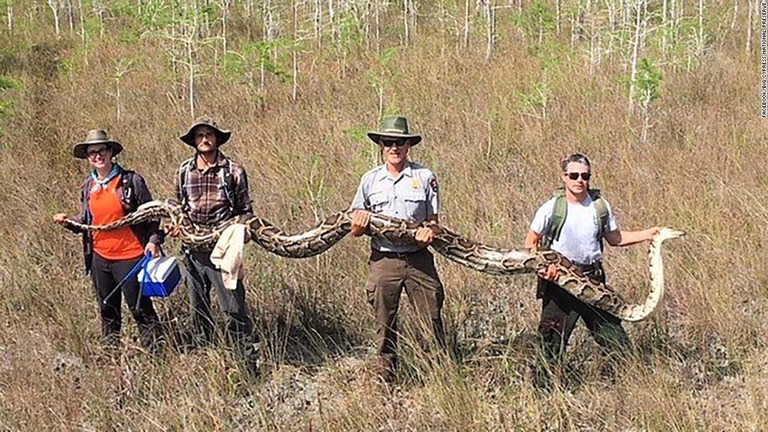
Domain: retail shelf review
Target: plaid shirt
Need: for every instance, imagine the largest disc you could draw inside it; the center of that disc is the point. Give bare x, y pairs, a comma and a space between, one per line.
207, 200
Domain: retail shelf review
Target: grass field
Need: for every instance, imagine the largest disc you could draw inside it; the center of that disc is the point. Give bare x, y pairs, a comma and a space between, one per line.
300, 83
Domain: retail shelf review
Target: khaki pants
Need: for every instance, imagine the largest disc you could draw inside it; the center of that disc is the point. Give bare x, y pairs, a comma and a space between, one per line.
391, 273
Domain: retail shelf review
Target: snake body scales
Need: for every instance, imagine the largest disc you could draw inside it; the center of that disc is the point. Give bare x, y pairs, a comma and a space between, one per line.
472, 254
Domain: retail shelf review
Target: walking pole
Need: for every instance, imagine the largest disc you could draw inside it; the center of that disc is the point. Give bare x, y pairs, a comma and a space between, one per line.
130, 274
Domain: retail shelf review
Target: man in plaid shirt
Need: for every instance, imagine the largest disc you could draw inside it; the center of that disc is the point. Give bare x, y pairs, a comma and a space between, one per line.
212, 188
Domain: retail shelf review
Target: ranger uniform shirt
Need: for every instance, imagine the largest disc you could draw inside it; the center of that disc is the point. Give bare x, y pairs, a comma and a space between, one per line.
412, 195
578, 239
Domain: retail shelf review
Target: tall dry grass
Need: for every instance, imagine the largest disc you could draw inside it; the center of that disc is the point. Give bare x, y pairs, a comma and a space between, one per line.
699, 362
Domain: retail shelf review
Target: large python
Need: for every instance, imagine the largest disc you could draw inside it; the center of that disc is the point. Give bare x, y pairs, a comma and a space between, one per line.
491, 260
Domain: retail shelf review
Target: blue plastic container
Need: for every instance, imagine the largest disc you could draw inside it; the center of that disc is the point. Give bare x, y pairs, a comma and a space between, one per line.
160, 276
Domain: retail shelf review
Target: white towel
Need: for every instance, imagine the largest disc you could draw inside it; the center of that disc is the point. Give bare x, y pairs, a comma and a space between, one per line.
227, 255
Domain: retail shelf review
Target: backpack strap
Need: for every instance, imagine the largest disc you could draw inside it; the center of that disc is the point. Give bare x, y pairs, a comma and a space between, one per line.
227, 183
184, 170
602, 213
560, 211
128, 196
85, 196
556, 222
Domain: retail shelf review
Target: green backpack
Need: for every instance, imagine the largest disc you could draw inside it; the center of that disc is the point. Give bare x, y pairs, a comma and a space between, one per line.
552, 232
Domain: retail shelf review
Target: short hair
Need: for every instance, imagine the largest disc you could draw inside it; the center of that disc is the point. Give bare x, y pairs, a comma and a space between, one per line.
578, 158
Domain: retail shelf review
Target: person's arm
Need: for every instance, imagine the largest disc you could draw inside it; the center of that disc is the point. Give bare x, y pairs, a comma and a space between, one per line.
532, 239
243, 202
540, 225
177, 186
425, 236
620, 238
61, 218
362, 217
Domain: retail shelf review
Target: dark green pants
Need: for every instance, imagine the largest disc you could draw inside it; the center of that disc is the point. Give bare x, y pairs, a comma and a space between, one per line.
561, 311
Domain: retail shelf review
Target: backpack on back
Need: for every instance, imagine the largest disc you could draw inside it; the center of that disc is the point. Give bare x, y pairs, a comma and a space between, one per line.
560, 212
226, 183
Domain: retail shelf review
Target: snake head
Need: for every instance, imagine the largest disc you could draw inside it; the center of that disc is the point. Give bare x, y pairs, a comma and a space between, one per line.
666, 233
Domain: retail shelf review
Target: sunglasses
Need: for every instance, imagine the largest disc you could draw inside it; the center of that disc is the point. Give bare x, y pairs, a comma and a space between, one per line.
575, 176
390, 143
101, 152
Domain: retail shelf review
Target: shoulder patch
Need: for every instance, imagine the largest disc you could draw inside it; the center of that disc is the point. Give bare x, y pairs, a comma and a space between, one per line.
433, 184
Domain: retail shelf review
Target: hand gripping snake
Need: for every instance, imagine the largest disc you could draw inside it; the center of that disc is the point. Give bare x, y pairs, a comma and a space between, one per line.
486, 259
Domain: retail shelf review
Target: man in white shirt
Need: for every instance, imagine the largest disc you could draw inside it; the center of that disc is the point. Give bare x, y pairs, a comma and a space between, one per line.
574, 223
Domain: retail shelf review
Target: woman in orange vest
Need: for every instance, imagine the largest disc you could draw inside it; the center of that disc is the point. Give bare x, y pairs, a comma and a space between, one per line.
109, 193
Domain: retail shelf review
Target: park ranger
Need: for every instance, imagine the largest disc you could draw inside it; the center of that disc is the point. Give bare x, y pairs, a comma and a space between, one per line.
406, 190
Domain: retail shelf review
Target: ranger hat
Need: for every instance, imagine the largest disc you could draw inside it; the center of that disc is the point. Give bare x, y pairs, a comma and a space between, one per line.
394, 127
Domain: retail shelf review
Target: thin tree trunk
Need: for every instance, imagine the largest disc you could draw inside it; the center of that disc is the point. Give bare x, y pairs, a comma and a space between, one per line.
83, 34
665, 29
405, 22
295, 79
635, 53
490, 29
9, 14
466, 24
378, 27
70, 16
319, 22
331, 20
225, 4
54, 5
748, 46
701, 42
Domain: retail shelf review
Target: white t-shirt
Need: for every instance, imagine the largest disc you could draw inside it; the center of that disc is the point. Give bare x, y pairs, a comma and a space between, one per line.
578, 239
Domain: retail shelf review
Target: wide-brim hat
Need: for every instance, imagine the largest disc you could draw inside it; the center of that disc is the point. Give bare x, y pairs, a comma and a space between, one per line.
96, 136
394, 127
222, 135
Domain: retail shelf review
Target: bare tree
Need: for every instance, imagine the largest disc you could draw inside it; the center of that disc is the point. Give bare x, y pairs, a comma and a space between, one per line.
748, 45
636, 42
466, 24
490, 24
55, 7
700, 40
9, 15
121, 70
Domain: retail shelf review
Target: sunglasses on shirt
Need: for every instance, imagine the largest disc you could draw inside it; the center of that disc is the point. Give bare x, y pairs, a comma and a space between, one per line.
575, 176
390, 143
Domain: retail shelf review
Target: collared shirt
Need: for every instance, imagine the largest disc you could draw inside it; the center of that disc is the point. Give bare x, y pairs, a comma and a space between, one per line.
207, 196
411, 195
578, 239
